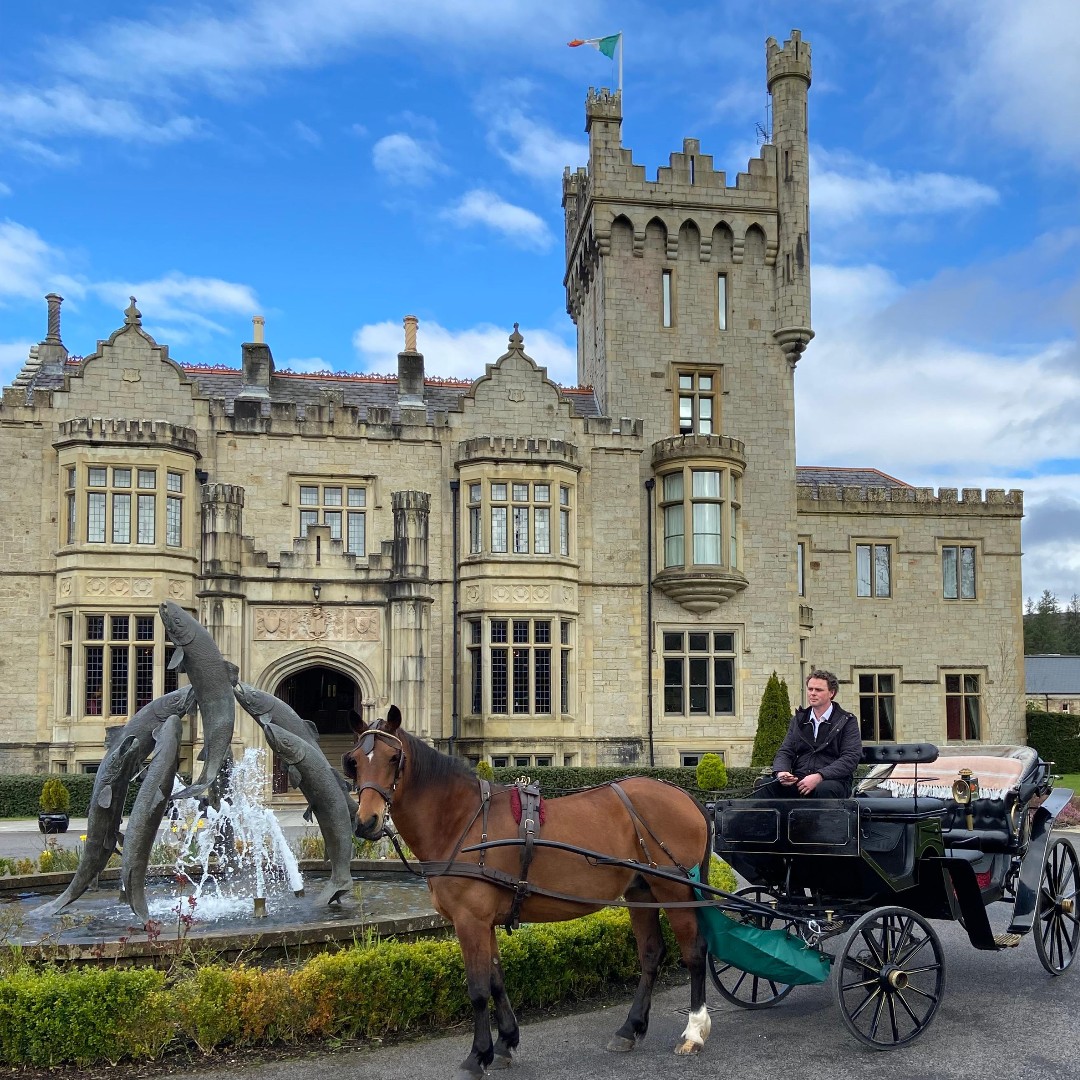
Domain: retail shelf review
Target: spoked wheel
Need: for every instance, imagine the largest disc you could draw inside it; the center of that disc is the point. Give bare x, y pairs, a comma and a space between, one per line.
1057, 931
738, 986
890, 977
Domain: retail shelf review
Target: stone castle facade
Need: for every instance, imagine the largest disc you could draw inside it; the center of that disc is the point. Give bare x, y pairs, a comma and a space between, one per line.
536, 575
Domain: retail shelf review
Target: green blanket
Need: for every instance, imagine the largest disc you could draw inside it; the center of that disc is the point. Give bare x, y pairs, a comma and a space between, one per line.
770, 954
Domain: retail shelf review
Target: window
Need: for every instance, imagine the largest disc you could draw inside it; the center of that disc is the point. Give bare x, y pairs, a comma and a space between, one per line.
692, 761
341, 507
721, 301
800, 556
123, 504
521, 517
520, 669
963, 709
699, 673
958, 572
697, 400
873, 570
666, 318
709, 499
877, 707
499, 761
119, 657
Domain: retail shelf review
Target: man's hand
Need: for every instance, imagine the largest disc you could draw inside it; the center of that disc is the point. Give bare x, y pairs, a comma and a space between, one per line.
787, 779
807, 784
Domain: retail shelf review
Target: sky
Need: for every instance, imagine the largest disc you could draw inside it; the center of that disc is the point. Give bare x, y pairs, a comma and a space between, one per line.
334, 165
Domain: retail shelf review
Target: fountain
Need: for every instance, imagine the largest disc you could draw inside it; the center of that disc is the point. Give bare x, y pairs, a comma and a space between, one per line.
236, 884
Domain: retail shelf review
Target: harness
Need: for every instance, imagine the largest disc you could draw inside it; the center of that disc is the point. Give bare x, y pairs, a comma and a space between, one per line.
528, 839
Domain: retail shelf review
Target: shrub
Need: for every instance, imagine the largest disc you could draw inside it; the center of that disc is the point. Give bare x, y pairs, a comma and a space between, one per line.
711, 773
55, 798
20, 794
774, 713
1056, 737
484, 770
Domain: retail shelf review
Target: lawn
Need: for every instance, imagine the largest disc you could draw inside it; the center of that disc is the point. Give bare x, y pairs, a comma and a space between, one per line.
1069, 780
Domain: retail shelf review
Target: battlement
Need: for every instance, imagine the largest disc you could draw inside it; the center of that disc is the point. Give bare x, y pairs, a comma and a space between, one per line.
854, 499
602, 104
99, 431
512, 448
791, 60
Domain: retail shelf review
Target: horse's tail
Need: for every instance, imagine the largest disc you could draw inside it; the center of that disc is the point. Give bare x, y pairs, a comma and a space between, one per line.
706, 858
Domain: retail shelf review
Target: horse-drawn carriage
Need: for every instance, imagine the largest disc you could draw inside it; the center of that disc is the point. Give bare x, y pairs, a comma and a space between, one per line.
928, 835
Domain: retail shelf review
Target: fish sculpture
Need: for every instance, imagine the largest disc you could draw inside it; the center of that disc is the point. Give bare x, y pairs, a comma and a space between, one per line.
146, 814
266, 708
103, 820
212, 679
333, 808
145, 723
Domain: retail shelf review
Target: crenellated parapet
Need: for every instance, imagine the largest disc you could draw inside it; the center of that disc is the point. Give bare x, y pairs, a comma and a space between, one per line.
528, 451
790, 60
110, 432
838, 499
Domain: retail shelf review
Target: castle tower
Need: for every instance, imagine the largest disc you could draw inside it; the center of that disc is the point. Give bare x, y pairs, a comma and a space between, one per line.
788, 80
691, 298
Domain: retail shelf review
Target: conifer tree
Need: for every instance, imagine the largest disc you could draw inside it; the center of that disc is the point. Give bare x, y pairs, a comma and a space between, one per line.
773, 716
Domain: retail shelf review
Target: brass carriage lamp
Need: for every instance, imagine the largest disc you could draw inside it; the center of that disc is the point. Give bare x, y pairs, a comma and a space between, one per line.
965, 791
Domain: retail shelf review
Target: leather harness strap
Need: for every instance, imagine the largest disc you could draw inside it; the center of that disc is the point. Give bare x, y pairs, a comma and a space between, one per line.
528, 828
637, 819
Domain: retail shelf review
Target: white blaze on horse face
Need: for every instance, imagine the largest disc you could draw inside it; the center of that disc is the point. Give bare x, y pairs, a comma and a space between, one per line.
698, 1026
371, 755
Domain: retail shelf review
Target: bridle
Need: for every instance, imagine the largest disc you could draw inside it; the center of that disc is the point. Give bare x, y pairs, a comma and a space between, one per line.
366, 746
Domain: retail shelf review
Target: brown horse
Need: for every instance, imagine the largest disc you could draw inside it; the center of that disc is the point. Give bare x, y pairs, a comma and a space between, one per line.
438, 808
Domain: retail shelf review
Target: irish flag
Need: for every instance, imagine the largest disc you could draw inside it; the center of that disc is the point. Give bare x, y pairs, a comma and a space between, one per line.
606, 45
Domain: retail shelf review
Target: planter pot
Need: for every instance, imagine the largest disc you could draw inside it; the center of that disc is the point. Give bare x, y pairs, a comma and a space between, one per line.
53, 823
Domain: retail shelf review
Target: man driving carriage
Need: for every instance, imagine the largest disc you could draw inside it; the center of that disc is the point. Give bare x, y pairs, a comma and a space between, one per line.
821, 750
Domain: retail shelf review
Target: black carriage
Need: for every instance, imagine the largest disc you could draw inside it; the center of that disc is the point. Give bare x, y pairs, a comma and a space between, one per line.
927, 835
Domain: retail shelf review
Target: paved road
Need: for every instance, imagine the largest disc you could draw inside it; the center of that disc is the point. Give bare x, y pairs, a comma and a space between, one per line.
1002, 1016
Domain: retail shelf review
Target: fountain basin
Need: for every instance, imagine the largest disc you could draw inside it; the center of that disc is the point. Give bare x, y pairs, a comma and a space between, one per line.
99, 930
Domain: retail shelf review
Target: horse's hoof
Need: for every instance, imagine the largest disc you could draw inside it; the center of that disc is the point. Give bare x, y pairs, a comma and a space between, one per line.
500, 1061
689, 1047
620, 1044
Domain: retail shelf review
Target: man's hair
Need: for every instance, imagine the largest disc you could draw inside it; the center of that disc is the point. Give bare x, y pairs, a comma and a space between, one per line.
830, 680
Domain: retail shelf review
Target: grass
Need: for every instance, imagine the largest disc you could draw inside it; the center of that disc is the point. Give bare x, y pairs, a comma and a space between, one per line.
1069, 780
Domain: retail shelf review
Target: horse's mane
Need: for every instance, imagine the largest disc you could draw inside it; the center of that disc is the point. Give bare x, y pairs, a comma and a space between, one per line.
429, 765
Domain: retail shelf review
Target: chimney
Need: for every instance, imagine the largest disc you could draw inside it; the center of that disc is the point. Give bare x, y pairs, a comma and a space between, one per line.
258, 365
52, 348
410, 368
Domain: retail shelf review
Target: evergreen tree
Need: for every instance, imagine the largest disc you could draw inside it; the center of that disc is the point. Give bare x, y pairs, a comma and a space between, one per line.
774, 713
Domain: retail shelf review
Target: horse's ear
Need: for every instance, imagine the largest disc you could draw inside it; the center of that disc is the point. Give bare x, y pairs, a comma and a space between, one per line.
393, 719
356, 722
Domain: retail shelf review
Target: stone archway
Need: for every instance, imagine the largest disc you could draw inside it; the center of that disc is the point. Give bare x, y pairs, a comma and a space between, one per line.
331, 691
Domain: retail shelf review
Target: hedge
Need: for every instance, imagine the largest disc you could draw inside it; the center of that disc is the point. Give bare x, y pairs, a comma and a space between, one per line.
1056, 736
20, 794
50, 1017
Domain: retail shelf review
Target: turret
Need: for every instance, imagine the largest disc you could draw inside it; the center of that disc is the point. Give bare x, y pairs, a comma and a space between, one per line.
788, 75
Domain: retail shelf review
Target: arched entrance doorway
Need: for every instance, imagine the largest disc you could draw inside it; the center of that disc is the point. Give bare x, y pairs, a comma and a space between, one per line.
331, 700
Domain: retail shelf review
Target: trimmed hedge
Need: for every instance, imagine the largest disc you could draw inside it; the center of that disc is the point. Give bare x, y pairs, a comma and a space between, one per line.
555, 780
20, 794
50, 1017
1056, 736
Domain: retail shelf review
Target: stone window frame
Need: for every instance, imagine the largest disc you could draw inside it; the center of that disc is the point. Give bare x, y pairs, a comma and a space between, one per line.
873, 583
870, 698
346, 511
721, 646
677, 508
667, 298
689, 391
960, 688
495, 505
958, 547
690, 759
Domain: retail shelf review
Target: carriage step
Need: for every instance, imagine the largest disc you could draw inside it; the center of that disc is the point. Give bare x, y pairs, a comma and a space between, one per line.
1007, 941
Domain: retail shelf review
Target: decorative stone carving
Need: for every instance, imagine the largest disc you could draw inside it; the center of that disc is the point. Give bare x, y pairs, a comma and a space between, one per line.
131, 375
317, 623
95, 586
177, 588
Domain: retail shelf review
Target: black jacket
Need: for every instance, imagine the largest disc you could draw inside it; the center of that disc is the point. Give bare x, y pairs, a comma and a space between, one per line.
836, 753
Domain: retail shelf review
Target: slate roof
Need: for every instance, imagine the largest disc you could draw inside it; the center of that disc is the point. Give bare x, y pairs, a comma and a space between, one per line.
847, 477
364, 391
1052, 674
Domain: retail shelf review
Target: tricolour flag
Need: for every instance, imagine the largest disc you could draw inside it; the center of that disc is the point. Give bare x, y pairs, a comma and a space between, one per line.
606, 45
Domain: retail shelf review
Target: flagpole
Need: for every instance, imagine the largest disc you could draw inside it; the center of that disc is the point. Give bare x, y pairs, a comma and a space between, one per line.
621, 40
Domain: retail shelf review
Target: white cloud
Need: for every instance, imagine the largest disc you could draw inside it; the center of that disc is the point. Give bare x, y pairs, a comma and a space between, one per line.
13, 354
481, 207
532, 149
846, 188
68, 109
846, 293
1024, 76
307, 134
306, 365
29, 266
462, 354
405, 160
4, 189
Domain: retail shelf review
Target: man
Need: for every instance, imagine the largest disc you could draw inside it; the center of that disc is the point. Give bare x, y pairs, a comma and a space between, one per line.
818, 756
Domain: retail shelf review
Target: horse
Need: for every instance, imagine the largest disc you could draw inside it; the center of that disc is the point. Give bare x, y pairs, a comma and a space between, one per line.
453, 822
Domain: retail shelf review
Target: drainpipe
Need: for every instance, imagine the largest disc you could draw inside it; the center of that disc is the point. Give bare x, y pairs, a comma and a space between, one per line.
455, 486
649, 485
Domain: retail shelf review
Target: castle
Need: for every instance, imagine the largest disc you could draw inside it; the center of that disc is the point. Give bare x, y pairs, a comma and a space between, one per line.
536, 575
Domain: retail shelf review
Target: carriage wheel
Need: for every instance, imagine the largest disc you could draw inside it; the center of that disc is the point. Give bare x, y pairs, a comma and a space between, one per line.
890, 977
1057, 931
738, 986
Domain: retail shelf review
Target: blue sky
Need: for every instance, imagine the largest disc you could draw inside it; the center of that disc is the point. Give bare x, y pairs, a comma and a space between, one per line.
336, 165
